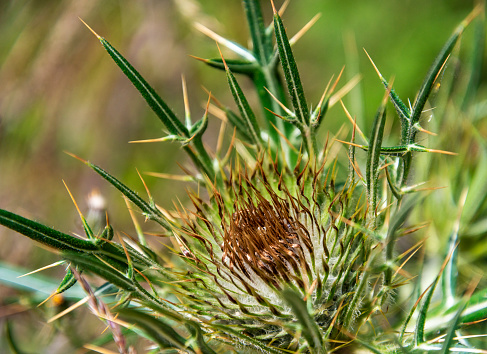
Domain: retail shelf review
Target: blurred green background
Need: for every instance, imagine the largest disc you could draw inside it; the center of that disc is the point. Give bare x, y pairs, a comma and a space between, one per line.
60, 91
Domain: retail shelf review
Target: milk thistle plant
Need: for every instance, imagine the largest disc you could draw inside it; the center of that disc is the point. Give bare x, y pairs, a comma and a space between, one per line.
275, 252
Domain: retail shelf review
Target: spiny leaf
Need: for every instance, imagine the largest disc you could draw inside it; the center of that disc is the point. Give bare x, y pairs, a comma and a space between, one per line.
244, 107
401, 109
197, 339
236, 65
44, 234
373, 158
92, 264
68, 281
452, 327
291, 73
155, 102
261, 45
151, 212
157, 329
160, 108
310, 329
435, 68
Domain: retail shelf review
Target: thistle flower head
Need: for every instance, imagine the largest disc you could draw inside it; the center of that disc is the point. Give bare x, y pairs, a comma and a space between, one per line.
266, 232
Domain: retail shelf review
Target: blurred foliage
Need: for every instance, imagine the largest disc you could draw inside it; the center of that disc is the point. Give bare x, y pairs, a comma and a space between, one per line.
60, 92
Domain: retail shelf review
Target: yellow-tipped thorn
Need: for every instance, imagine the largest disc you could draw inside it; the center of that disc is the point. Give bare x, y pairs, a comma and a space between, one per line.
278, 102
96, 34
221, 55
349, 143
55, 264
354, 123
74, 201
76, 157
147, 140
373, 64
283, 7
273, 7
69, 309
442, 152
422, 130
48, 298
305, 29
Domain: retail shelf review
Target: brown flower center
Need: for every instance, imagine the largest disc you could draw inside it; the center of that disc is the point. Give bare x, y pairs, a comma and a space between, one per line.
267, 239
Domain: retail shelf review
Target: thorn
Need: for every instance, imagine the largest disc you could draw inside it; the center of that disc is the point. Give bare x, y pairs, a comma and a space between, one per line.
277, 115
273, 8
200, 59
279, 103
442, 67
354, 123
96, 34
76, 157
148, 140
187, 112
442, 152
48, 298
221, 55
345, 89
183, 178
284, 7
349, 143
422, 130
69, 309
373, 64
285, 138
55, 264
145, 185
305, 29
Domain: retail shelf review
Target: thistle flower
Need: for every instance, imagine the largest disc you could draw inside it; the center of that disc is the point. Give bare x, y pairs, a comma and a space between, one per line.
271, 231
281, 257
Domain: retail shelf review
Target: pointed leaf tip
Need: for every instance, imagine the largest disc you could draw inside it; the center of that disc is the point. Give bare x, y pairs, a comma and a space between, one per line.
76, 157
221, 56
273, 7
96, 34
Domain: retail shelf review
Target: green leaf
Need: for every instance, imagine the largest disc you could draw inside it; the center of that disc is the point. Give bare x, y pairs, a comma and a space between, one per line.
197, 338
477, 190
310, 329
449, 278
401, 109
155, 102
91, 263
151, 212
237, 66
433, 72
156, 329
68, 281
476, 308
419, 337
373, 159
261, 45
44, 234
291, 73
238, 123
245, 111
452, 327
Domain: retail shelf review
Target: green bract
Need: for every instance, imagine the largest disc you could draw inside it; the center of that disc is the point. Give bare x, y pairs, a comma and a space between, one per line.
280, 255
